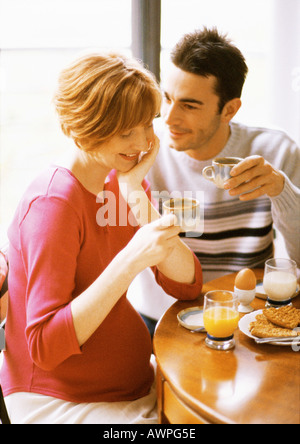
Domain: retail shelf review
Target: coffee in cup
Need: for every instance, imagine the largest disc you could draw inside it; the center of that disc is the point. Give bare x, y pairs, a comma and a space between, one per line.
187, 212
219, 171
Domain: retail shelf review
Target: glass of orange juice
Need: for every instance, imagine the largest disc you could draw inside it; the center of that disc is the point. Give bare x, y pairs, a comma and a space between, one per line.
221, 318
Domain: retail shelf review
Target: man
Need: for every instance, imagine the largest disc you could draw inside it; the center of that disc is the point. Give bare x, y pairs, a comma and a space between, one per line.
201, 97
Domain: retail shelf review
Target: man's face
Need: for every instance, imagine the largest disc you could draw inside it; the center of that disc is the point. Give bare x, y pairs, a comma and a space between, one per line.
190, 110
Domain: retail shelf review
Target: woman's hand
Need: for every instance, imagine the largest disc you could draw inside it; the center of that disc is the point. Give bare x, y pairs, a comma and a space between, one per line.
136, 175
254, 177
154, 242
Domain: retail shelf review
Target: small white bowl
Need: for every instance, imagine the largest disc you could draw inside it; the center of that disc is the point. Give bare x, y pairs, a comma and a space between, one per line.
245, 298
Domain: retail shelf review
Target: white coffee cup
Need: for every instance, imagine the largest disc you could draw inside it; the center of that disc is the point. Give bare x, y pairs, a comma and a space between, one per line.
186, 210
219, 171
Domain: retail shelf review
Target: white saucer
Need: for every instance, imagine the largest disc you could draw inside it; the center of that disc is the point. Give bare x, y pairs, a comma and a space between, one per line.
191, 318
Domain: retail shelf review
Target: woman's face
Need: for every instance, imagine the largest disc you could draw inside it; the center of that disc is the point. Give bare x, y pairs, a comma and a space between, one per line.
122, 151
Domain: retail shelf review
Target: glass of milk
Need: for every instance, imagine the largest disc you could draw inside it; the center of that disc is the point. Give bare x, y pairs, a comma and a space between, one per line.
280, 281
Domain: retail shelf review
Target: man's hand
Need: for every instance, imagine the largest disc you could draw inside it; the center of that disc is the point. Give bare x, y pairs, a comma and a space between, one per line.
254, 177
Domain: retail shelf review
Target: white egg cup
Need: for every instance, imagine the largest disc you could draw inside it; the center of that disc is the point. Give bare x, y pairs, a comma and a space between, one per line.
245, 298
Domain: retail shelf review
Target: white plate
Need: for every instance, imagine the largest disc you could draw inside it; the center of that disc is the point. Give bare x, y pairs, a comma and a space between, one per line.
191, 318
251, 317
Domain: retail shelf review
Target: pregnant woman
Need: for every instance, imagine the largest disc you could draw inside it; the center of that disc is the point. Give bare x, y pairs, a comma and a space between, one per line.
77, 351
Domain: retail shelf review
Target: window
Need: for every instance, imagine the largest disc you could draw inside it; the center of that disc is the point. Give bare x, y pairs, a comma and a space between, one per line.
37, 39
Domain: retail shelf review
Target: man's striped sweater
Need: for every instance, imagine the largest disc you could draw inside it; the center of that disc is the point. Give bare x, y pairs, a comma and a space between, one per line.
236, 234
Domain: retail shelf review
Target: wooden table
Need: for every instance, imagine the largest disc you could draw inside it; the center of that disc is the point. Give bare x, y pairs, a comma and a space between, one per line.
250, 384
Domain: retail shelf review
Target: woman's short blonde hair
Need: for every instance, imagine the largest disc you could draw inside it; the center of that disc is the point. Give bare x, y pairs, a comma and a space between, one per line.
102, 95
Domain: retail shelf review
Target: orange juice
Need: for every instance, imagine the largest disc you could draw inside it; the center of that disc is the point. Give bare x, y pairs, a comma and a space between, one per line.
220, 322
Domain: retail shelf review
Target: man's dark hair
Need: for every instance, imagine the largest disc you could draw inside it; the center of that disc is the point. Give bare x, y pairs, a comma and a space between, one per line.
207, 53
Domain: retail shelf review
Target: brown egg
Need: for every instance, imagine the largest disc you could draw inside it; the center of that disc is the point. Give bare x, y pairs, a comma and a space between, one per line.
245, 279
